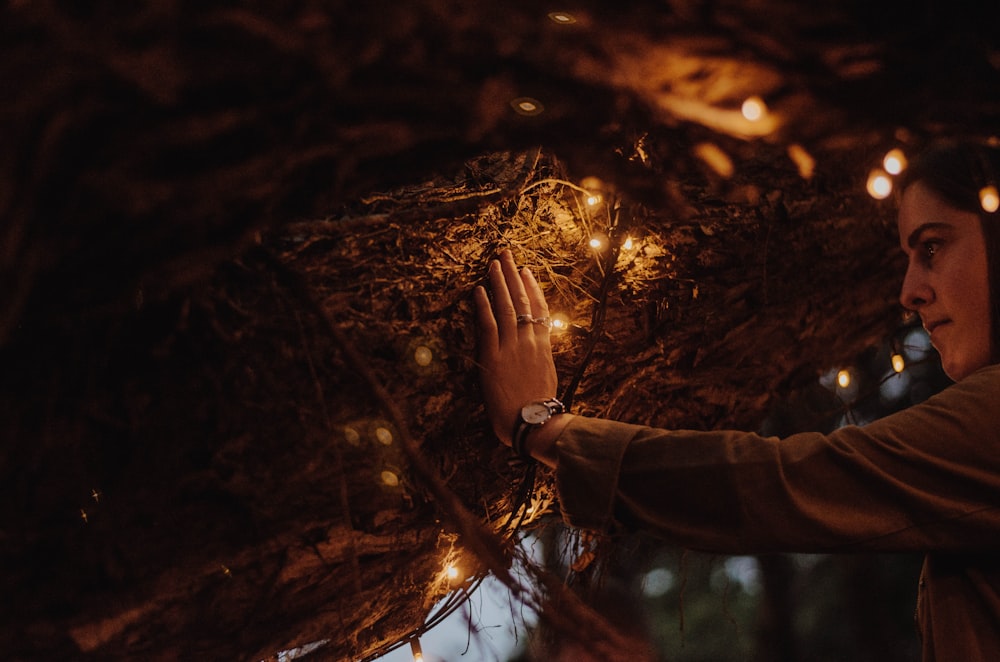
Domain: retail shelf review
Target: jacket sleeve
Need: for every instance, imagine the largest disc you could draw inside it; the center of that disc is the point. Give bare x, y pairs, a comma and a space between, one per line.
924, 479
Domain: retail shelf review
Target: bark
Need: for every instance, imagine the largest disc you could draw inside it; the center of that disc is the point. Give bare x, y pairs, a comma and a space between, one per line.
237, 250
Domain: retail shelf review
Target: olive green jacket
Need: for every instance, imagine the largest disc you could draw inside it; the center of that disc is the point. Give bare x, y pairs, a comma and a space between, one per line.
925, 479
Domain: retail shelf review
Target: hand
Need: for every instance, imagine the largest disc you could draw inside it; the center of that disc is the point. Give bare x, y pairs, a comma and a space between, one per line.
515, 359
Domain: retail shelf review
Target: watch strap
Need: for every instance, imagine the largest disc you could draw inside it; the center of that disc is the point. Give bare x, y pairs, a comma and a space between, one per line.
522, 428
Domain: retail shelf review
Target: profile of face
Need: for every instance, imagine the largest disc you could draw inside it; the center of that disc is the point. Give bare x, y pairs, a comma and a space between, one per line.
947, 281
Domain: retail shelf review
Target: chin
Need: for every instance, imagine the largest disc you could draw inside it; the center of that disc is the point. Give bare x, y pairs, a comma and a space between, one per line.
959, 370
954, 375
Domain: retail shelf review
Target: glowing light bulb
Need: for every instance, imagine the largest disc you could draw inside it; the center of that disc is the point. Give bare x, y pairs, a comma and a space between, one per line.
418, 654
989, 199
898, 362
894, 161
390, 478
753, 109
844, 378
352, 436
593, 199
879, 185
423, 355
628, 244
452, 572
559, 323
598, 241
384, 436
562, 18
527, 106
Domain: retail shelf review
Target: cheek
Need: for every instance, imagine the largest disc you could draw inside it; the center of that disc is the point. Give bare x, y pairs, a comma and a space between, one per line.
975, 300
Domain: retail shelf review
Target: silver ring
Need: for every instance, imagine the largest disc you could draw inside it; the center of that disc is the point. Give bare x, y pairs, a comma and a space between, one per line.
525, 319
543, 321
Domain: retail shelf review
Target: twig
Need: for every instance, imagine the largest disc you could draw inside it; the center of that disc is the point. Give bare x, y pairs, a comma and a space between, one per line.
567, 611
338, 458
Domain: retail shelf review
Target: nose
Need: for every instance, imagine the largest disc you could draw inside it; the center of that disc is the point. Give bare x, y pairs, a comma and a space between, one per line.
916, 291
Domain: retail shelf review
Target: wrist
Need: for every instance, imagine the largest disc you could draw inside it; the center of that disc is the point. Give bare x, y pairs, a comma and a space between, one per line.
531, 417
540, 442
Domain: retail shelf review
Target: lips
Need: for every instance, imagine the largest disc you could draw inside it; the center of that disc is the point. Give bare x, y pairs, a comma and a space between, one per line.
930, 326
932, 329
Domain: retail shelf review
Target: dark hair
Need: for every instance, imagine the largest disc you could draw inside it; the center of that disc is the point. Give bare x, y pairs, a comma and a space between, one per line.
958, 172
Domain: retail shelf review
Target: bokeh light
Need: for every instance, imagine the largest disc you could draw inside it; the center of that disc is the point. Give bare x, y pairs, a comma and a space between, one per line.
879, 184
989, 199
894, 161
844, 378
527, 106
753, 108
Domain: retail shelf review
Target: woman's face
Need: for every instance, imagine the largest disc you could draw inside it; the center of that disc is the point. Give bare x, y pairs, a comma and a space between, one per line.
946, 281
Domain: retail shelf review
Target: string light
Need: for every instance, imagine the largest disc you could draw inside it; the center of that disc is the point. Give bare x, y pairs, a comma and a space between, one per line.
527, 106
598, 241
452, 572
894, 161
418, 654
384, 435
898, 362
352, 436
594, 199
844, 378
879, 184
989, 199
562, 18
423, 355
627, 245
754, 109
559, 323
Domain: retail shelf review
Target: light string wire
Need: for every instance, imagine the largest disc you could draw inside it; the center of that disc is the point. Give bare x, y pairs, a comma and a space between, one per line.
599, 314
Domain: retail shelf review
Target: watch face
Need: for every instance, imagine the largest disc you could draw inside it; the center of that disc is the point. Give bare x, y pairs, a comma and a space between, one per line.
535, 413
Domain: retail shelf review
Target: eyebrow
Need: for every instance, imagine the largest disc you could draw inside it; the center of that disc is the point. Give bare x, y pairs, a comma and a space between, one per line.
914, 237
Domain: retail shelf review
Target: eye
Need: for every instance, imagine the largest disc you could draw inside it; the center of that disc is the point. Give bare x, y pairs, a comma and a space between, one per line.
930, 247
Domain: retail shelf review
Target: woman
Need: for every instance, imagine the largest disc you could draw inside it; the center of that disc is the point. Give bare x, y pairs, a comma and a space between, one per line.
926, 479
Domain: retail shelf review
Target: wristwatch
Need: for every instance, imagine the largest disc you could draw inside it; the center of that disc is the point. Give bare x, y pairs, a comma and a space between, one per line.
533, 415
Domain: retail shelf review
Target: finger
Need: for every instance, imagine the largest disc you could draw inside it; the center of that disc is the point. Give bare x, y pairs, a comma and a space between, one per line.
489, 340
539, 307
503, 308
541, 323
518, 296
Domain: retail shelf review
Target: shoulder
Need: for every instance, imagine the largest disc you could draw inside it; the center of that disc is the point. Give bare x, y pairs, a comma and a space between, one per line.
966, 413
983, 384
